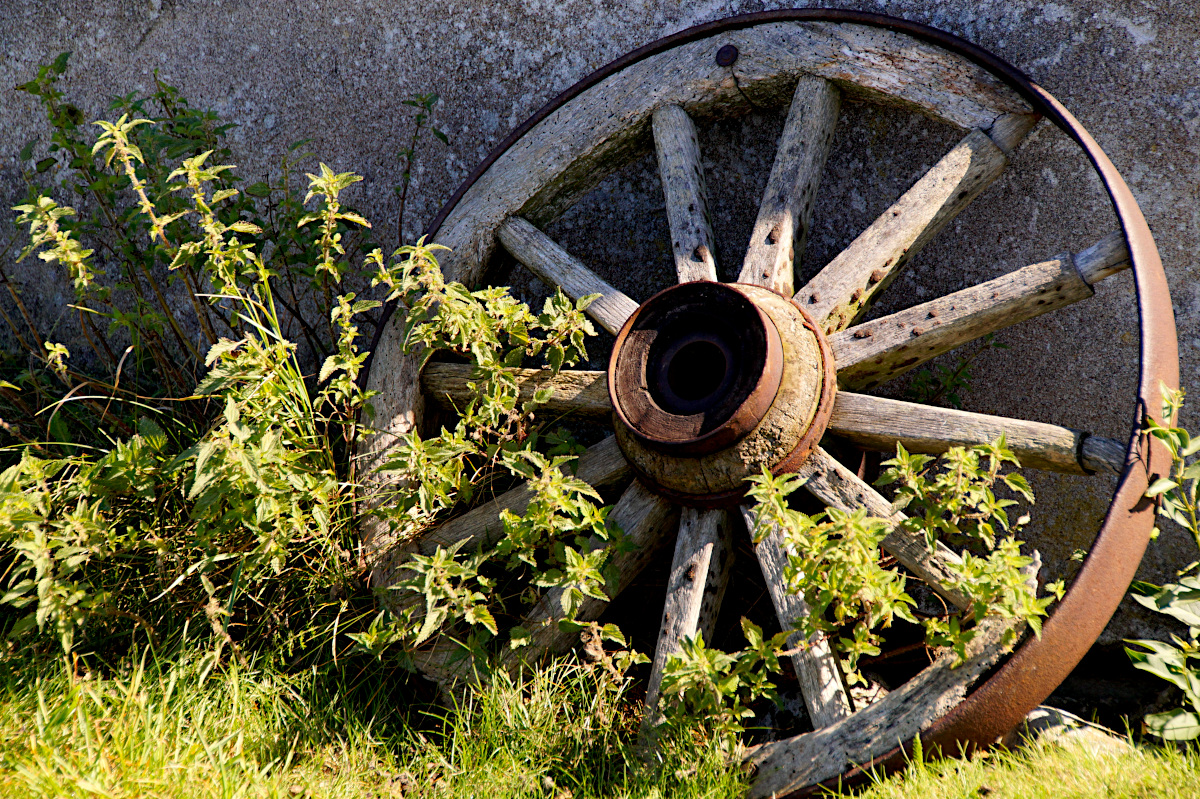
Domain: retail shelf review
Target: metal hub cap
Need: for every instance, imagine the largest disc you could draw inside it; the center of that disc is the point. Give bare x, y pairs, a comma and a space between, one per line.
711, 382
695, 369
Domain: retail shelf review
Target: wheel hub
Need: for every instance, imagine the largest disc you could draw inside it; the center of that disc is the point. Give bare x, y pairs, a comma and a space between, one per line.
711, 382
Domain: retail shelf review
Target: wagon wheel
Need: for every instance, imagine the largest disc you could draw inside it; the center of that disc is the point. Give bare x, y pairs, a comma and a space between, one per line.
709, 382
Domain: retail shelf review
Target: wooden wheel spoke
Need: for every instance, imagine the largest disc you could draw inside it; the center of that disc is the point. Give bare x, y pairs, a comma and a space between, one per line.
782, 767
646, 519
683, 189
845, 289
556, 267
699, 574
816, 666
781, 228
838, 487
875, 351
879, 423
576, 391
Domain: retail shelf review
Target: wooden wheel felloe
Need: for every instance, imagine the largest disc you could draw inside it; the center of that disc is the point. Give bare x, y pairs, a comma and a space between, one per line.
709, 383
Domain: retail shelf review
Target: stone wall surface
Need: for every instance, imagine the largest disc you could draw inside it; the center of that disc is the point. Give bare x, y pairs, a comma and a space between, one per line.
336, 73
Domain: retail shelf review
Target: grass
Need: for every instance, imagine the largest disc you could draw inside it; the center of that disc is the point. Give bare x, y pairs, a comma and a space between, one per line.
164, 732
1048, 771
151, 730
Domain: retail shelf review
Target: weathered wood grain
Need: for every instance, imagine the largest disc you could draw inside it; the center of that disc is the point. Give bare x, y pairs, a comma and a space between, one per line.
782, 767
398, 407
781, 229
1103, 259
1009, 130
866, 64
682, 176
878, 423
881, 349
601, 465
1103, 455
577, 392
579, 144
836, 486
848, 285
816, 666
718, 580
554, 265
701, 559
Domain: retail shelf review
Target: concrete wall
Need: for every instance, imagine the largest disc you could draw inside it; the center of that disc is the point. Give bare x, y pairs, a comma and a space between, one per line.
336, 72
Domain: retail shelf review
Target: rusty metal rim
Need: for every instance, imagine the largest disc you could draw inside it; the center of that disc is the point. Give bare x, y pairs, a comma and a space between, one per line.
740, 421
1039, 665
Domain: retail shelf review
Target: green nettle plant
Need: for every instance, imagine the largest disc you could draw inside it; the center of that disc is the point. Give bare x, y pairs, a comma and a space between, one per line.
221, 480
1177, 662
835, 564
195, 466
230, 503
494, 438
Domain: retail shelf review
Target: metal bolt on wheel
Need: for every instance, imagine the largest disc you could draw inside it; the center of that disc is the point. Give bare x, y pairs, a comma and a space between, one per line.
709, 383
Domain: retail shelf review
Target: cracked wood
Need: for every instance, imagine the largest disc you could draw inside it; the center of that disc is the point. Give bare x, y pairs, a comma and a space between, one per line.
881, 349
878, 423
682, 176
786, 209
556, 267
699, 573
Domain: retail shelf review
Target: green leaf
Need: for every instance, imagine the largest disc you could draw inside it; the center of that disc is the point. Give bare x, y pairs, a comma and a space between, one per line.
519, 637
259, 189
555, 358
232, 413
1174, 725
150, 430
1160, 485
45, 164
60, 432
611, 632
24, 625
479, 614
331, 365
352, 217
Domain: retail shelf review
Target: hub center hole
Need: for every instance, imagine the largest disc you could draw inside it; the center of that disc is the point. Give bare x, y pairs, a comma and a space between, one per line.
696, 370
